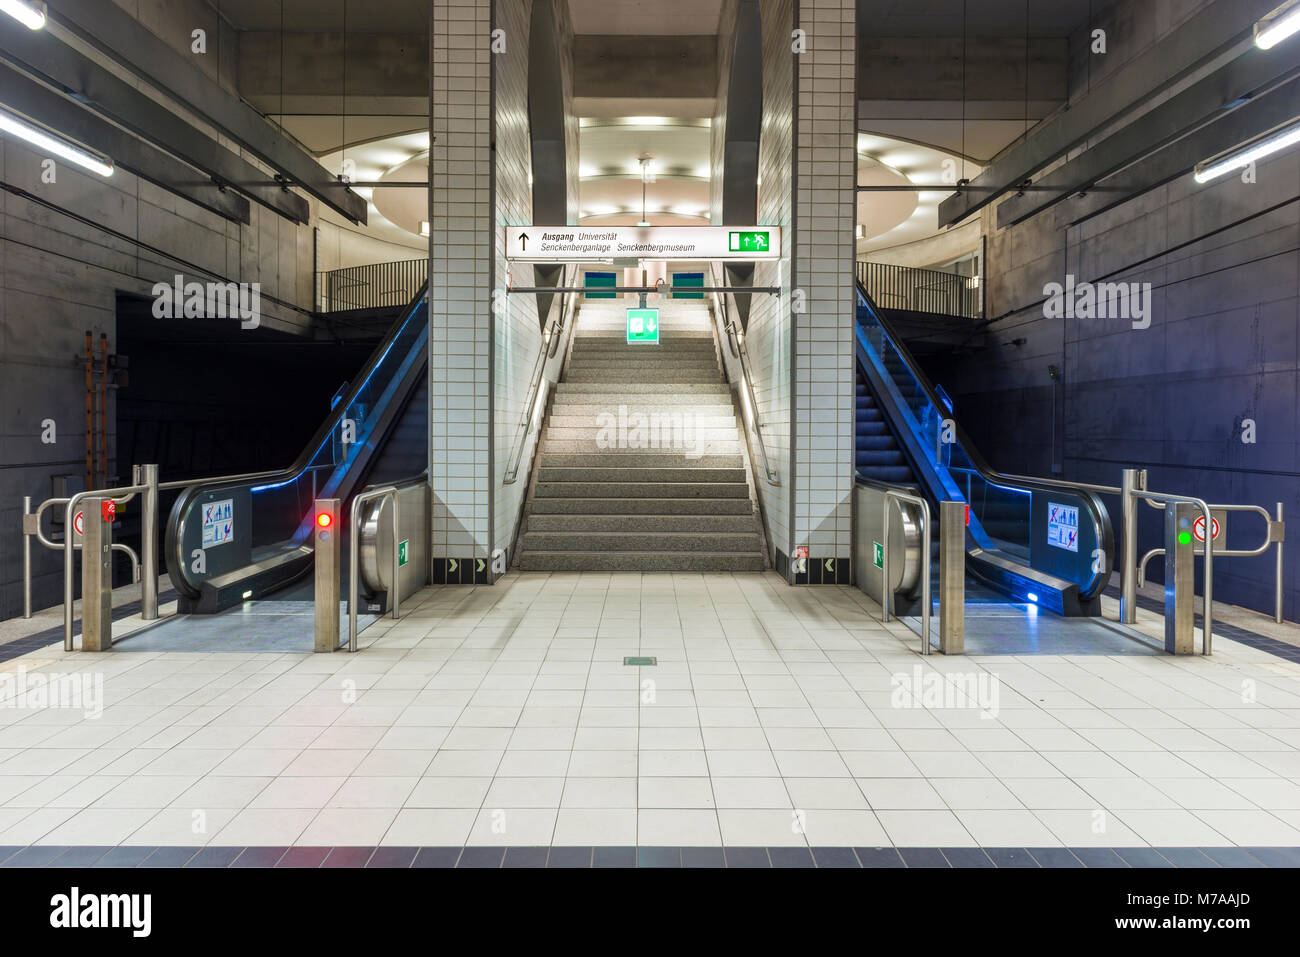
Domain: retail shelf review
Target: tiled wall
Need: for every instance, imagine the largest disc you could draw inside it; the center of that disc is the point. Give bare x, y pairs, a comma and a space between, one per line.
484, 343
460, 292
517, 334
823, 270
769, 338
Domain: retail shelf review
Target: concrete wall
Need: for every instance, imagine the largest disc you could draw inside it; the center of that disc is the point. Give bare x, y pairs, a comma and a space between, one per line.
66, 249
1223, 343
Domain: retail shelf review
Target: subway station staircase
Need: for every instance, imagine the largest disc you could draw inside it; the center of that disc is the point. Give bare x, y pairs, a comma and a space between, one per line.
641, 465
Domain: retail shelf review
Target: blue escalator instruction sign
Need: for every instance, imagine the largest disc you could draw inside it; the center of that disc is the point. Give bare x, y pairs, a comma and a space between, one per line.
218, 522
1063, 526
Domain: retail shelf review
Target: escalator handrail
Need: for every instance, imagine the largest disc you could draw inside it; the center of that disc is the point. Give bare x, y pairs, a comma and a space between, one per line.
176, 563
1096, 508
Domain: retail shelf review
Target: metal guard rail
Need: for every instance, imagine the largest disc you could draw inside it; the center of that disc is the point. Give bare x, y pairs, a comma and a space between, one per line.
564, 304
125, 493
738, 351
886, 592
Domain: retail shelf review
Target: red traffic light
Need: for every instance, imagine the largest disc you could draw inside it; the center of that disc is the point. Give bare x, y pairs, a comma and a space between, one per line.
324, 519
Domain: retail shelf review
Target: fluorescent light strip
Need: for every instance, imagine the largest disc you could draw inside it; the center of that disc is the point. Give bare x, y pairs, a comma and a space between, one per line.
1282, 23
64, 149
1242, 157
30, 15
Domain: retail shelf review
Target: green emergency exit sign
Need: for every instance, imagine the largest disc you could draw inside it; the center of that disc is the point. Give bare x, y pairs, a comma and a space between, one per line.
403, 552
749, 242
643, 325
878, 554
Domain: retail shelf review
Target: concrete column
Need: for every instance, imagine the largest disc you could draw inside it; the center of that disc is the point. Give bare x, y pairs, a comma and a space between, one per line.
825, 207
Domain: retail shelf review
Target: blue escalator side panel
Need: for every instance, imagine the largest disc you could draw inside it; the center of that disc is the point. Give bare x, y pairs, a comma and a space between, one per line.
898, 429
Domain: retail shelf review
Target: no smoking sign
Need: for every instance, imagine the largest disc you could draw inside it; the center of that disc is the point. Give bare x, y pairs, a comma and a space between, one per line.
1198, 528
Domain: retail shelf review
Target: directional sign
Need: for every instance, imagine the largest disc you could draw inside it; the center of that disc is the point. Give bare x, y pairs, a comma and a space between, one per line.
643, 325
603, 243
878, 554
1198, 528
403, 552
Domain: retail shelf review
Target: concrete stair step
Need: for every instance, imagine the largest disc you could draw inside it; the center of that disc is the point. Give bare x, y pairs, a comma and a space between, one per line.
683, 423
698, 524
665, 437
625, 388
666, 378
623, 541
633, 474
641, 562
637, 458
643, 490
589, 446
692, 410
620, 505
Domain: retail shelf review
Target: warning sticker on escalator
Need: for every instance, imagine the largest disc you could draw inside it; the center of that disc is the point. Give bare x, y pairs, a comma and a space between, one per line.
1063, 526
218, 522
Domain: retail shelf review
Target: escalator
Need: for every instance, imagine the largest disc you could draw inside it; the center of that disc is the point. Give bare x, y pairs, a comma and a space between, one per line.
249, 537
1033, 541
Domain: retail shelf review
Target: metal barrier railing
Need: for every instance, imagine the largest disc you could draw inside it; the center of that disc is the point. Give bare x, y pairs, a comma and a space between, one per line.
1274, 534
922, 290
563, 307
383, 493
144, 567
886, 589
373, 286
736, 345
123, 494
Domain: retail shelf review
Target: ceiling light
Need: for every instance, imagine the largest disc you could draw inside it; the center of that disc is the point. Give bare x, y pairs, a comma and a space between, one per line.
51, 142
27, 12
1243, 156
1278, 25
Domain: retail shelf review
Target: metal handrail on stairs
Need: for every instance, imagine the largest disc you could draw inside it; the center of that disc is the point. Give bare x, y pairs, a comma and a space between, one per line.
562, 309
736, 343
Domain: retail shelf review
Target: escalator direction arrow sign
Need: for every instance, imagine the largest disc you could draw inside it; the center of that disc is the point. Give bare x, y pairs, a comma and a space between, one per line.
452, 564
478, 567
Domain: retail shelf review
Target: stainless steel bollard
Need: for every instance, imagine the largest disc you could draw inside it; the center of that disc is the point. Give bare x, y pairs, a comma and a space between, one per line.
96, 576
1180, 579
149, 543
952, 577
327, 535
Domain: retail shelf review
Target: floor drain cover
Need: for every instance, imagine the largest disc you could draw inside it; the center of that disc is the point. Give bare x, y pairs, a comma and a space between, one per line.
640, 662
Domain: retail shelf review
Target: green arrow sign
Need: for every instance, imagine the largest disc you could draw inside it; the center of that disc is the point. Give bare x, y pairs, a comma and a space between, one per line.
403, 551
643, 325
749, 242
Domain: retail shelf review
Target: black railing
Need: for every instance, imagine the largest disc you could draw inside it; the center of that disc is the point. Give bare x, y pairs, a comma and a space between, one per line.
922, 290
372, 287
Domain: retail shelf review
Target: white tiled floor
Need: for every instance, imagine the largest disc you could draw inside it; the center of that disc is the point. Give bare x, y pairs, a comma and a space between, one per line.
504, 715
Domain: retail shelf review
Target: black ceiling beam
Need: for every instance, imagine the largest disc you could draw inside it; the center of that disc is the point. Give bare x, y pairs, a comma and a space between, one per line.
27, 96
1180, 158
56, 63
131, 43
1217, 93
1219, 26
